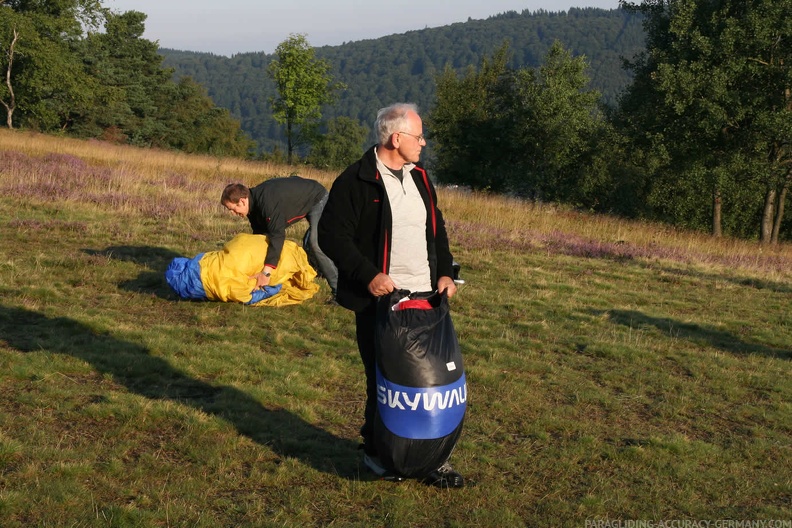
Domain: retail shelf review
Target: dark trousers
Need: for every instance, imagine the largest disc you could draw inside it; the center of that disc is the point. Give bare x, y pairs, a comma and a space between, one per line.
326, 266
365, 322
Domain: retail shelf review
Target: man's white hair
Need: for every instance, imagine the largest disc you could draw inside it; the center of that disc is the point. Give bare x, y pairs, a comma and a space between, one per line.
392, 119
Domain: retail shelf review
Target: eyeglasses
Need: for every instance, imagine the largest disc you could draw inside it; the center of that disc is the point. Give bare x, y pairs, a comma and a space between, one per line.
419, 137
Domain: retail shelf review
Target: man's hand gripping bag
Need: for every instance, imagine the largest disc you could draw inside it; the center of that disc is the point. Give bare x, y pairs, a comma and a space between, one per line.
421, 388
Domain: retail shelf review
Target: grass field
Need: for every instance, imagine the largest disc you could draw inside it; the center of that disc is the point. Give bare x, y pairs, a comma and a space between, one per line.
617, 371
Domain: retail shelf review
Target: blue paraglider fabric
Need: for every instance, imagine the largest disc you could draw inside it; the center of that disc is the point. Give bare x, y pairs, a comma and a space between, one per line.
184, 276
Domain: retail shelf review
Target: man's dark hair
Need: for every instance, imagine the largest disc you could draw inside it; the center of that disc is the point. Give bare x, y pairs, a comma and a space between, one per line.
234, 192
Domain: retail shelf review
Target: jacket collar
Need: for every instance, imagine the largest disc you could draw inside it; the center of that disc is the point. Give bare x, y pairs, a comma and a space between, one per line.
368, 166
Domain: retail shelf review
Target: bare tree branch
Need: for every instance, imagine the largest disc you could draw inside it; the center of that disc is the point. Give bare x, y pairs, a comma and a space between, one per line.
11, 105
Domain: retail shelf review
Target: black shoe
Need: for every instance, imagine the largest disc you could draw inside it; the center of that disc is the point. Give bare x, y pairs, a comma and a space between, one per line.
444, 477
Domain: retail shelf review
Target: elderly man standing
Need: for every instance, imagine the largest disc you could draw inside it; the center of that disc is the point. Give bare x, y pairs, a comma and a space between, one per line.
383, 230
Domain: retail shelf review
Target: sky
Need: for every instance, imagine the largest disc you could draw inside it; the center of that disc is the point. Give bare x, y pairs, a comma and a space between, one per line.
227, 27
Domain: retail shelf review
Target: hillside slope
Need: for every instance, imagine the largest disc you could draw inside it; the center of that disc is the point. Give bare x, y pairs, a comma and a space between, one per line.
403, 67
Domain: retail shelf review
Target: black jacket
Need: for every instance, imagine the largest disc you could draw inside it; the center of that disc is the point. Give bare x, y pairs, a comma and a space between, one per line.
355, 230
278, 203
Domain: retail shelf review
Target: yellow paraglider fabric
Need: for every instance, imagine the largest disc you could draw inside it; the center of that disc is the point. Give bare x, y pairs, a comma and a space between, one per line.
226, 274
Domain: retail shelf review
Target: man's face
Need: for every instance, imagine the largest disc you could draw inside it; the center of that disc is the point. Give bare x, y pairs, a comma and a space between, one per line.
241, 208
411, 140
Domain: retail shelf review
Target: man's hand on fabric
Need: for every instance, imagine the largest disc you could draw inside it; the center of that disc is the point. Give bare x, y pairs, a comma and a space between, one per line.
262, 277
381, 285
446, 284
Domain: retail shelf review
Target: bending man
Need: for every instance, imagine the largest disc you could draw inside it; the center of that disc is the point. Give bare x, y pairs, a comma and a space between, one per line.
271, 207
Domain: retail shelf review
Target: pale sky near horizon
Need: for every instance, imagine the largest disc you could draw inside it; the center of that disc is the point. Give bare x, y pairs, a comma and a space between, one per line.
226, 27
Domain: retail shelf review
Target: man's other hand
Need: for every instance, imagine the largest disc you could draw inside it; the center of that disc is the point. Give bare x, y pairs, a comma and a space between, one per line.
381, 285
446, 284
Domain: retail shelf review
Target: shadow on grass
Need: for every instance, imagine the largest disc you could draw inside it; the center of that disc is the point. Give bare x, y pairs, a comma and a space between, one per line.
645, 256
152, 257
695, 333
750, 282
151, 282
134, 367
155, 259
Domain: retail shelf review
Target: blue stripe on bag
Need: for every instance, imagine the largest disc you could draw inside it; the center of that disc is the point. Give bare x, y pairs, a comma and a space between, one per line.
421, 413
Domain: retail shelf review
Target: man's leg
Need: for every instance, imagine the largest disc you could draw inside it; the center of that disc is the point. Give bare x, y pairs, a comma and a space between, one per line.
326, 266
365, 322
365, 325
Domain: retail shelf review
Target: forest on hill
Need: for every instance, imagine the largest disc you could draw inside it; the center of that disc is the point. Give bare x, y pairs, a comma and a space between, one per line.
404, 67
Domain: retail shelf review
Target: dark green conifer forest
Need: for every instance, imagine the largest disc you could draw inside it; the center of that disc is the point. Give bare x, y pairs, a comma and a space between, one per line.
404, 67
672, 111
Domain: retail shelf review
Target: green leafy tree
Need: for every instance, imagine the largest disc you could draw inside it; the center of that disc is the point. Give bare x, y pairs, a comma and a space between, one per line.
43, 73
554, 126
133, 88
340, 146
63, 74
303, 85
468, 124
196, 125
528, 132
711, 101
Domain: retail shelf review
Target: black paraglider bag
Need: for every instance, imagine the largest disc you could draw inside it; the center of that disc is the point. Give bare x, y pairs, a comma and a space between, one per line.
421, 387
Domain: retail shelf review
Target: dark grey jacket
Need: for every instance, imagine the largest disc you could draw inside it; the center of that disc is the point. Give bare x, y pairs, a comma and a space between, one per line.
278, 203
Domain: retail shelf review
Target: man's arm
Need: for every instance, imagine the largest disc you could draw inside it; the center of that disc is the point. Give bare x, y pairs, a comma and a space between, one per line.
337, 231
268, 222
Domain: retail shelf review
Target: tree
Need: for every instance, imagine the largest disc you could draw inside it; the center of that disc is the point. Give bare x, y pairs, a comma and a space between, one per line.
711, 98
467, 126
303, 84
555, 122
108, 84
528, 132
132, 87
340, 146
44, 73
9, 52
196, 125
